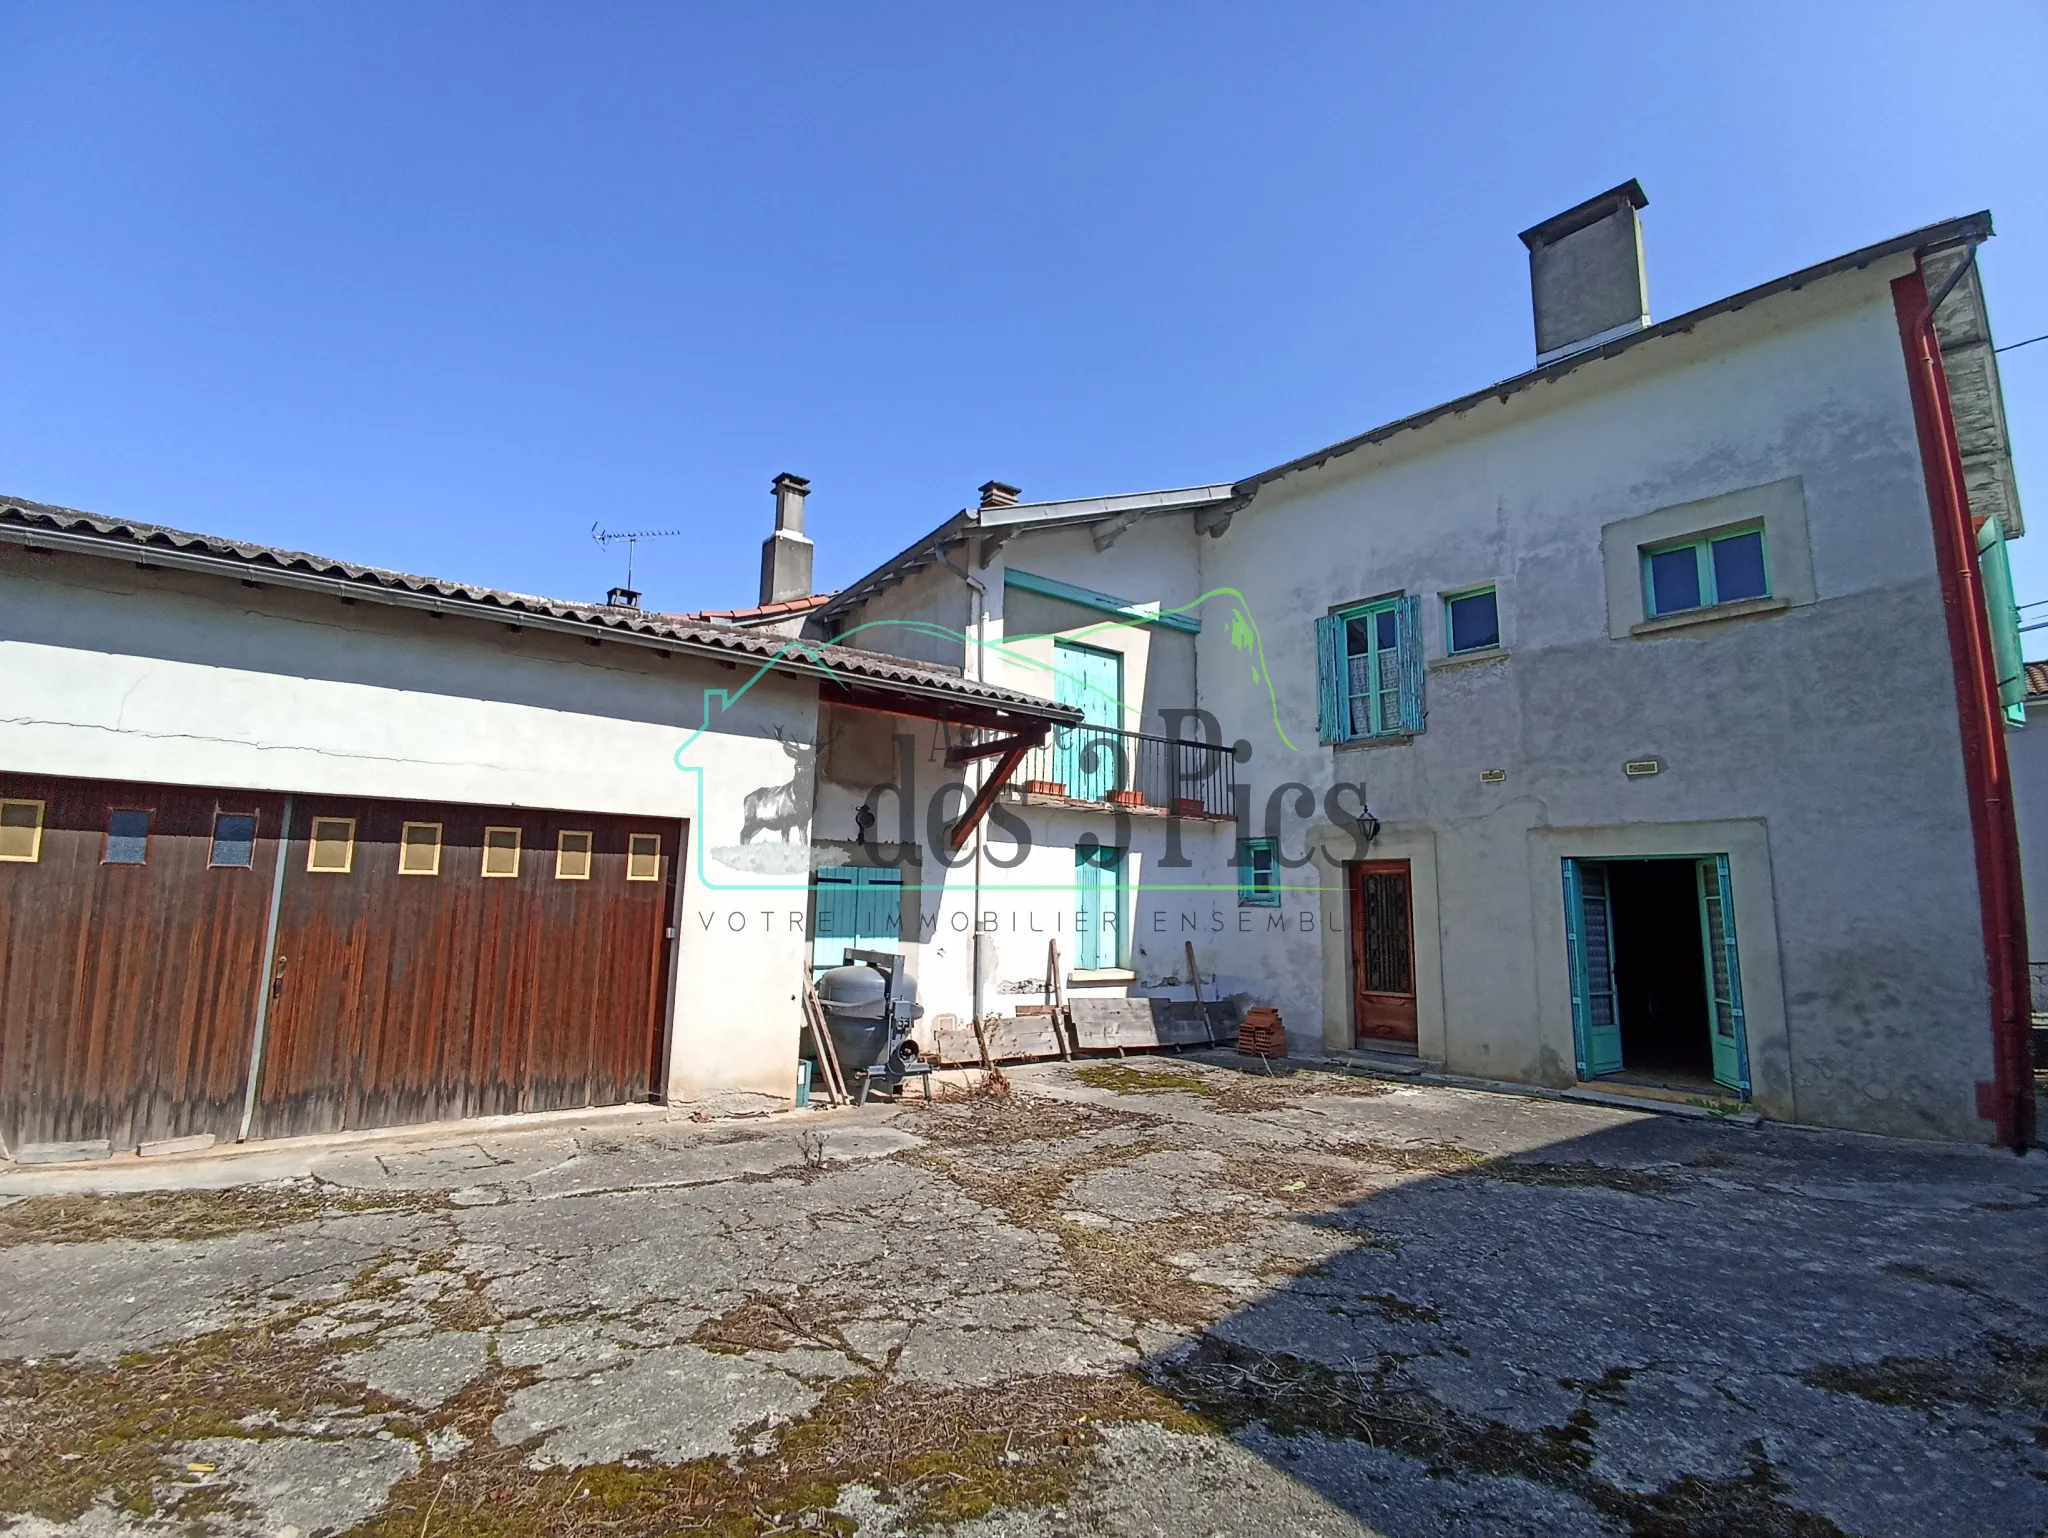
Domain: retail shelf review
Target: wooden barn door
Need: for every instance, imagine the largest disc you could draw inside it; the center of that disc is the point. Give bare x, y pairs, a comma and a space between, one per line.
131, 935
1383, 952
435, 962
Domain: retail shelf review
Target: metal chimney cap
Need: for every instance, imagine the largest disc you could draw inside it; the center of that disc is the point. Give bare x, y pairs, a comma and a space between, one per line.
1592, 211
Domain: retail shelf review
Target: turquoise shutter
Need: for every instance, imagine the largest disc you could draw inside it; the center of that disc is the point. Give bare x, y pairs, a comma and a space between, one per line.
834, 922
1724, 976
1408, 643
2002, 609
1596, 1026
1330, 693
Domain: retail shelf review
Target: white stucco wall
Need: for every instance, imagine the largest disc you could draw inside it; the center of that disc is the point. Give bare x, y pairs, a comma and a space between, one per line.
116, 673
1829, 724
1021, 899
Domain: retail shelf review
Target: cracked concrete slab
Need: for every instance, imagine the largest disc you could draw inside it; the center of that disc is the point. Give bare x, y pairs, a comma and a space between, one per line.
1674, 1300
424, 1373
664, 1407
318, 1487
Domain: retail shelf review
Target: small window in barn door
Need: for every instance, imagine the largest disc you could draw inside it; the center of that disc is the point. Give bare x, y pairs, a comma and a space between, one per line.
234, 841
419, 849
21, 831
501, 852
332, 845
643, 857
127, 837
572, 856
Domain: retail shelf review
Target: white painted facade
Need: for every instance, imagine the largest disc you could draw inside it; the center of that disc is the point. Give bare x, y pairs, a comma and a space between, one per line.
1811, 739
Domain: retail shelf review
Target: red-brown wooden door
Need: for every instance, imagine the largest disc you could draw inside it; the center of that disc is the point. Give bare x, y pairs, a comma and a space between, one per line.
129, 953
1383, 951
403, 997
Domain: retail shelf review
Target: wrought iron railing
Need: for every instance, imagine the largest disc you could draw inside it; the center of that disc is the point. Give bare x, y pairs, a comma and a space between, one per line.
1101, 764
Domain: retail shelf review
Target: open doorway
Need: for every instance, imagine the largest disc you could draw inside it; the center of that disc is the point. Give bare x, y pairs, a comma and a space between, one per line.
1660, 971
1656, 984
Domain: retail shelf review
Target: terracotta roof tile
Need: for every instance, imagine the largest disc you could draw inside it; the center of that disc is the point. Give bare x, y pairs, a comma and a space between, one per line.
37, 524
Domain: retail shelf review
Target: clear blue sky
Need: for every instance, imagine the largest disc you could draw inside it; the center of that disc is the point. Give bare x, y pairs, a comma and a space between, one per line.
435, 286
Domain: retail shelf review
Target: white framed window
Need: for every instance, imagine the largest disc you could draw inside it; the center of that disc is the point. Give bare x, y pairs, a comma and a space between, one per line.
331, 847
21, 831
419, 849
572, 855
643, 857
501, 853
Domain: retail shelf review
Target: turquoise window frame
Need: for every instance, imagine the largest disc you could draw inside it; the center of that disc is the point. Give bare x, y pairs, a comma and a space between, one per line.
1257, 888
1463, 593
1702, 547
1333, 671
1101, 885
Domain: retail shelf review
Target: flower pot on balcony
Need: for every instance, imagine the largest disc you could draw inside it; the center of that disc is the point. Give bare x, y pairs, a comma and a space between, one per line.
1044, 788
1188, 806
1127, 797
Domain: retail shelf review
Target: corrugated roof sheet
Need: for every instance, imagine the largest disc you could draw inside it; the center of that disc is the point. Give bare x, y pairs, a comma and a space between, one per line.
38, 524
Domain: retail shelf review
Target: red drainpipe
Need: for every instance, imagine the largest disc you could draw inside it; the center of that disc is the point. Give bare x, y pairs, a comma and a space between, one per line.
2008, 1100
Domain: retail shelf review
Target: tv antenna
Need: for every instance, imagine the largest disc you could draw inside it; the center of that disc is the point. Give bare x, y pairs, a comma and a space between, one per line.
625, 597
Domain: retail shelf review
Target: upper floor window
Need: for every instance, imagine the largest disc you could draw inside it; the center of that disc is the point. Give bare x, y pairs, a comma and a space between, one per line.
1369, 670
1701, 573
1471, 621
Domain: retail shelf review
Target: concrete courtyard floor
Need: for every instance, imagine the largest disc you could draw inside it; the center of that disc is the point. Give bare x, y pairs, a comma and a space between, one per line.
1152, 1297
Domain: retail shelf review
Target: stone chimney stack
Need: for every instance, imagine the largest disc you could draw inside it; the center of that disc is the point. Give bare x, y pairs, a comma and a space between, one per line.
786, 554
996, 494
1586, 274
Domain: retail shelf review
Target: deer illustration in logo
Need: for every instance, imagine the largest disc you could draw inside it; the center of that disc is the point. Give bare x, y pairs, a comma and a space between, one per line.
783, 809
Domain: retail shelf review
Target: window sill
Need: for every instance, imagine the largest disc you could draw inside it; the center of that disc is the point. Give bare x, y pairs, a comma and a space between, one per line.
1467, 659
1102, 975
1384, 740
1719, 611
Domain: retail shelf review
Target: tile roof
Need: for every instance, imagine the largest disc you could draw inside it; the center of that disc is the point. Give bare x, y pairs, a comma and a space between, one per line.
759, 612
2037, 680
38, 525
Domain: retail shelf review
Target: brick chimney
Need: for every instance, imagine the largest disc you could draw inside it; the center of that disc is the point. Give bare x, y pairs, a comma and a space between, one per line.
786, 554
1586, 274
996, 494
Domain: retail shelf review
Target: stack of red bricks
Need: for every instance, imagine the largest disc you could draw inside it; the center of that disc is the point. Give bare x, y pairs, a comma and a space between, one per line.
1262, 1034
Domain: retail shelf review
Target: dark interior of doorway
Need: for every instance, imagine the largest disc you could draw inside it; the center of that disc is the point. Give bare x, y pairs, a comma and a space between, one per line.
1660, 970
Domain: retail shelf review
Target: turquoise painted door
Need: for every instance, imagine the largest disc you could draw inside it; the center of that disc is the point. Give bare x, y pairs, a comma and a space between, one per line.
1724, 976
855, 906
1088, 759
1098, 907
1589, 943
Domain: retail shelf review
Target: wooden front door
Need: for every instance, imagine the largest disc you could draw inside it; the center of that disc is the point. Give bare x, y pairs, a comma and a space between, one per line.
1382, 952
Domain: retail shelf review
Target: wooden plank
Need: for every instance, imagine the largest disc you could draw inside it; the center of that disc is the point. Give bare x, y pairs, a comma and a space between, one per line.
954, 1041
1025, 1038
1110, 1025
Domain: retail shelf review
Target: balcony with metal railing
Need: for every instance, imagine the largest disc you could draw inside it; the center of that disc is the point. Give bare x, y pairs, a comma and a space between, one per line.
1099, 766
